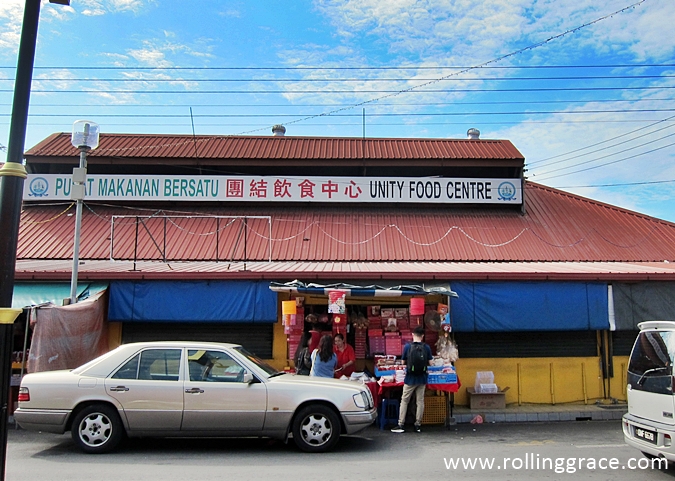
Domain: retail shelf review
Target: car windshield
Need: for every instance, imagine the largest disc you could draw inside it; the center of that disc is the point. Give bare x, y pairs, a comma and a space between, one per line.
257, 361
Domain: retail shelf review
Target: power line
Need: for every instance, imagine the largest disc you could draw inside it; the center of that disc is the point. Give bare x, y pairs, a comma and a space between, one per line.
610, 163
395, 104
603, 142
340, 92
394, 114
605, 156
338, 79
481, 65
401, 67
624, 184
359, 124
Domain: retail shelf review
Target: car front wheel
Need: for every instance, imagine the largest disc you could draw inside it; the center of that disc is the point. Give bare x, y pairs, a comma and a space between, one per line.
97, 429
316, 429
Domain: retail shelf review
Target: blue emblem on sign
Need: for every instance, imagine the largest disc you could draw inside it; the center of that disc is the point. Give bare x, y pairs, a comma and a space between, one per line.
38, 187
507, 191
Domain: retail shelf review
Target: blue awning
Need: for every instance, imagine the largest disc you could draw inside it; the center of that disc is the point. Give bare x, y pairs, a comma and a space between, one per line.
192, 301
530, 306
297, 287
28, 294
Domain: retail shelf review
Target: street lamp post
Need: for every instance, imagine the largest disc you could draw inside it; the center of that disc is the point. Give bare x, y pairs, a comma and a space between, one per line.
12, 176
85, 138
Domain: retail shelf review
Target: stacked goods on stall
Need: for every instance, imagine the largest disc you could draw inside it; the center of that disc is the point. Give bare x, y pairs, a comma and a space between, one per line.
392, 344
360, 342
415, 321
376, 341
389, 368
406, 337
361, 325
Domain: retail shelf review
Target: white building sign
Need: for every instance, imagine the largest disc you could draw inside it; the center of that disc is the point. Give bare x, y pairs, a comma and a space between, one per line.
278, 189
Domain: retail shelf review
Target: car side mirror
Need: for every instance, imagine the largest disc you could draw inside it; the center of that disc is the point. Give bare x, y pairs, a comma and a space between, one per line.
248, 377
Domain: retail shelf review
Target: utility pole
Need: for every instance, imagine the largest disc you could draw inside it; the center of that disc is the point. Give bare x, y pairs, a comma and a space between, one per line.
12, 176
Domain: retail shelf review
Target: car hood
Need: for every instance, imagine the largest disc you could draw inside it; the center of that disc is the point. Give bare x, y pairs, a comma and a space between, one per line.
294, 379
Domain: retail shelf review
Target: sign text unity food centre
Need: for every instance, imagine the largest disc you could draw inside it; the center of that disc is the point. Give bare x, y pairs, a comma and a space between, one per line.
278, 189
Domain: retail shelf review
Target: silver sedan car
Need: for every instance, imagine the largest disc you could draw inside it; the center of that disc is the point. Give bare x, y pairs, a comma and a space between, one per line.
190, 389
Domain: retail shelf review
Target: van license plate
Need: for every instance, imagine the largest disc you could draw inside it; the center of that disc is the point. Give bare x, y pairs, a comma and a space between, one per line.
649, 436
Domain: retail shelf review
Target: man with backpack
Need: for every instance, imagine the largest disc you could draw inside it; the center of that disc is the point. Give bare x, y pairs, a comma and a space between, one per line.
417, 356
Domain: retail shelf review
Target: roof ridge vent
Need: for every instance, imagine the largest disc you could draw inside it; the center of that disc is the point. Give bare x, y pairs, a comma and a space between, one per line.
278, 130
473, 134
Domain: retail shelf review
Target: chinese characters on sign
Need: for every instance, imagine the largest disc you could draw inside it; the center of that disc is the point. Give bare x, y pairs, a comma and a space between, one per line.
279, 189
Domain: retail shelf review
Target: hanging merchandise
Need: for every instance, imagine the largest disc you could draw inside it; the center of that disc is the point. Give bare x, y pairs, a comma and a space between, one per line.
446, 348
336, 302
339, 324
288, 311
312, 318
360, 321
416, 306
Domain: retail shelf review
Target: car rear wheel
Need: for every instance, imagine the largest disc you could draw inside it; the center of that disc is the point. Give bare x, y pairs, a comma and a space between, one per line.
97, 429
316, 429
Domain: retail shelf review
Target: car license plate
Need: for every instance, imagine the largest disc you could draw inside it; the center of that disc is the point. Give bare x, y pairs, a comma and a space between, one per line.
645, 435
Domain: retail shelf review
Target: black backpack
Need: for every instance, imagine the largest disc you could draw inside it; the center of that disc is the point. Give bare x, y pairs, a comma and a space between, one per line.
417, 358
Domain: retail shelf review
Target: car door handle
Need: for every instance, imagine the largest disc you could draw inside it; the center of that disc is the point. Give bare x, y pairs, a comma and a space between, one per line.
194, 390
119, 388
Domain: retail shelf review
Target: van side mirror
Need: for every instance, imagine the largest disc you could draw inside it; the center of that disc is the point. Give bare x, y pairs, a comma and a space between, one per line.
248, 377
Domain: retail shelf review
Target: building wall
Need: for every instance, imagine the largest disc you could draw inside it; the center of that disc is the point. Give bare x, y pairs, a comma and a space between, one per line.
546, 380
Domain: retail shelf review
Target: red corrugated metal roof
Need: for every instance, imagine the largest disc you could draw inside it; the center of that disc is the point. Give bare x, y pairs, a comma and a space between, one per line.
337, 271
303, 148
557, 227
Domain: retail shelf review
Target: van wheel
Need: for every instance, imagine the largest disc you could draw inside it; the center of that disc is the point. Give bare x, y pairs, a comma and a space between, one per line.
316, 429
97, 429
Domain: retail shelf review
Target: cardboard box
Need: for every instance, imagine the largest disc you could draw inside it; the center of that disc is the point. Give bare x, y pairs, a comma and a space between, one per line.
495, 400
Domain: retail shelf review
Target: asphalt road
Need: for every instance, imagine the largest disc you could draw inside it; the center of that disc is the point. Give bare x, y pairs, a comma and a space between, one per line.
529, 451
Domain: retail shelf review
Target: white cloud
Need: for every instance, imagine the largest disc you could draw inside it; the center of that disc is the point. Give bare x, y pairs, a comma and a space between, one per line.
11, 14
102, 7
161, 53
230, 12
150, 56
482, 30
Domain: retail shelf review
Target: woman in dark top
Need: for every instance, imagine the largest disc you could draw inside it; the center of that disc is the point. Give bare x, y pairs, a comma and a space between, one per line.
303, 361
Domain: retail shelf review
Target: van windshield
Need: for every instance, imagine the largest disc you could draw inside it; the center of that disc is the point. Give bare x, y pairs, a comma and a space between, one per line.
653, 354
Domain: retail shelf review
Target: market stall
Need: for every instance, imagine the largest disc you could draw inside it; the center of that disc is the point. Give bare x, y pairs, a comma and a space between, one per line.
378, 323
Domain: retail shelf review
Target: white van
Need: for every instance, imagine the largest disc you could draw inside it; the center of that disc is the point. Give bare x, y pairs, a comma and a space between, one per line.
649, 424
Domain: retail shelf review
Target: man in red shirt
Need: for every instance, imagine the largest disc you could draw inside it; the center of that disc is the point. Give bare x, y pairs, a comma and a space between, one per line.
346, 359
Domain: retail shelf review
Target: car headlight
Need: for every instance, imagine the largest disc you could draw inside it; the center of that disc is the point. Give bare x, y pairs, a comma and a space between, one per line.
363, 400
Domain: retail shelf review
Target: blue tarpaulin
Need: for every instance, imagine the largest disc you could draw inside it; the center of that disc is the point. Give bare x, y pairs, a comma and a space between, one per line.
35, 293
529, 306
192, 301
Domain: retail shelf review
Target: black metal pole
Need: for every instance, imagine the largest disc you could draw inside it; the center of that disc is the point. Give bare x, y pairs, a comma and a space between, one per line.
12, 176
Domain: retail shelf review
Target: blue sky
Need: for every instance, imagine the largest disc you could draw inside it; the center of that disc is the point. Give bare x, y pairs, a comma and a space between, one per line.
592, 110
